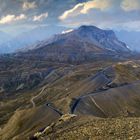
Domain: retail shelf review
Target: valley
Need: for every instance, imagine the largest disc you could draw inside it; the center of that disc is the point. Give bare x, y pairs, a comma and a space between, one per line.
69, 70
93, 88
80, 85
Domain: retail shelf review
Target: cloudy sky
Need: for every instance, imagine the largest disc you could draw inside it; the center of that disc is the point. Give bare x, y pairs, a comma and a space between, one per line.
21, 15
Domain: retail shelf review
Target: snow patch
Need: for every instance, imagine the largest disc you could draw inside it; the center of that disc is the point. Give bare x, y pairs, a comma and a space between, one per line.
67, 31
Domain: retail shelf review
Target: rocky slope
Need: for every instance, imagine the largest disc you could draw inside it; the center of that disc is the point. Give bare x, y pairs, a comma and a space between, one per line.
104, 82
43, 96
83, 44
82, 128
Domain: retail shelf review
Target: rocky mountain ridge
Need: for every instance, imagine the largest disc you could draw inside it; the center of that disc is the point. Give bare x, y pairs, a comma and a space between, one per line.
83, 44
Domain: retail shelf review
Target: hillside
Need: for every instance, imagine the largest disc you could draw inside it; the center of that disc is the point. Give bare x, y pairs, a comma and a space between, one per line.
69, 70
94, 128
83, 44
60, 87
42, 96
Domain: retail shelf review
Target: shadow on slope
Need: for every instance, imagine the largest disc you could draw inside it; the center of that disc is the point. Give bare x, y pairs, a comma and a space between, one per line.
115, 102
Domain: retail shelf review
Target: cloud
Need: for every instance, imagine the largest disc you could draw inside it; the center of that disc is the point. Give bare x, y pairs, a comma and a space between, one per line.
129, 5
104, 14
84, 8
72, 12
40, 17
29, 5
97, 4
12, 18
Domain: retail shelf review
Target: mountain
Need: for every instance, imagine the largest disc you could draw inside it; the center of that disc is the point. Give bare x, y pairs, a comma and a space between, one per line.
131, 38
45, 99
29, 38
84, 43
4, 37
33, 91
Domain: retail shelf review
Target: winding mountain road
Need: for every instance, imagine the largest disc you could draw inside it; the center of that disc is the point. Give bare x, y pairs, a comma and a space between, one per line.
33, 98
56, 110
97, 79
47, 104
100, 81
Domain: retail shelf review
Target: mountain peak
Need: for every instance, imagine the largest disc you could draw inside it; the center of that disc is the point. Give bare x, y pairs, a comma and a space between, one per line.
83, 44
88, 29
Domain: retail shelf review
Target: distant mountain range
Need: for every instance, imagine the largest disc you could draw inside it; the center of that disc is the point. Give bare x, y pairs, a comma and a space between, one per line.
4, 37
10, 45
84, 43
131, 38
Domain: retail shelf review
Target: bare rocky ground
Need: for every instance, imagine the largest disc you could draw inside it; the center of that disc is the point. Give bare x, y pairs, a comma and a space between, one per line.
35, 106
89, 128
83, 85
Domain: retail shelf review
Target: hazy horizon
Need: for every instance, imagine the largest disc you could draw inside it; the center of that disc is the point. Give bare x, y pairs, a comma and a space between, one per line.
44, 18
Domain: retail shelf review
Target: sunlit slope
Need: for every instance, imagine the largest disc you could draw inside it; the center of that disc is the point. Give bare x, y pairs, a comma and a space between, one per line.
25, 122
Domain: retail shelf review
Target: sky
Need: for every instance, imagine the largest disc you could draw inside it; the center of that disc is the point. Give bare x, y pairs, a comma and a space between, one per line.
20, 15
